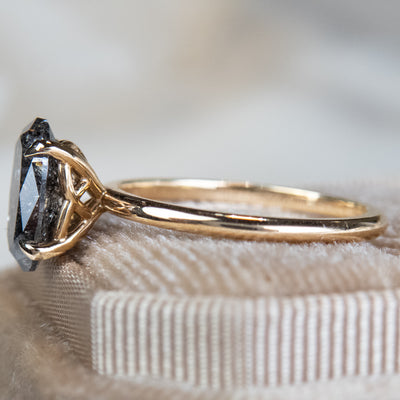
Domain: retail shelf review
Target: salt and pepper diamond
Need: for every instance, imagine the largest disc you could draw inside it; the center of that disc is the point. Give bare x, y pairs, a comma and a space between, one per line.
36, 196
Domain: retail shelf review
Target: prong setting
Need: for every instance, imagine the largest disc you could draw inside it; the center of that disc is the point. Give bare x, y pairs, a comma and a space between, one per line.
69, 191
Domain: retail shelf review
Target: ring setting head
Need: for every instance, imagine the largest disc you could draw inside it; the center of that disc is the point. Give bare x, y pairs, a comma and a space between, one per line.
55, 196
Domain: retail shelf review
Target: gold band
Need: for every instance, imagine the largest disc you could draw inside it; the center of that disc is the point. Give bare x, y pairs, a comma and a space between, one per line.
146, 201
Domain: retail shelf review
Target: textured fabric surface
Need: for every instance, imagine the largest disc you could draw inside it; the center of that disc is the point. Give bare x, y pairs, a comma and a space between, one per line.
36, 363
144, 303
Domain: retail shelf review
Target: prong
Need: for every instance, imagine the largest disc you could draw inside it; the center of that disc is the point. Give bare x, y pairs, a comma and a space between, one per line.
64, 220
69, 183
73, 148
68, 156
37, 252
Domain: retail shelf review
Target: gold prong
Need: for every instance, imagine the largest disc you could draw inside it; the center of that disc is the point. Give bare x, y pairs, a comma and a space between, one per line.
57, 247
64, 220
66, 156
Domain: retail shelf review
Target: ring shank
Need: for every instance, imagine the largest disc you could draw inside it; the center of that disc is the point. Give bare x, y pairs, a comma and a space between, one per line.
331, 218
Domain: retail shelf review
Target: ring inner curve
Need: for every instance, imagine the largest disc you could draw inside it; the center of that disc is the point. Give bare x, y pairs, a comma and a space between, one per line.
290, 199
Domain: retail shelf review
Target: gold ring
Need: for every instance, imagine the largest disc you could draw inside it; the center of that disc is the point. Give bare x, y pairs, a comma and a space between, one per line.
56, 197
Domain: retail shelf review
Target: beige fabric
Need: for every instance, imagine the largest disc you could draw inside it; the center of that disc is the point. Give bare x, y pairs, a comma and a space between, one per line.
136, 301
37, 364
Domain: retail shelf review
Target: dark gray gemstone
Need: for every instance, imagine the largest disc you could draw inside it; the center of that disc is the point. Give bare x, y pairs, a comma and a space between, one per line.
36, 197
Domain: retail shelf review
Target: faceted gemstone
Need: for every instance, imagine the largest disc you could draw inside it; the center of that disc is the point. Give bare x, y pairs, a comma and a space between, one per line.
36, 197
28, 196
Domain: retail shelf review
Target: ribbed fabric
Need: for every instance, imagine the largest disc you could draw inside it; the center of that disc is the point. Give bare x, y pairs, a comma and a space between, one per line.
139, 302
227, 343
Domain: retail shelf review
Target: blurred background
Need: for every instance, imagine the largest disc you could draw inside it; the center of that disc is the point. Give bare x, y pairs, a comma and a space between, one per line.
281, 92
